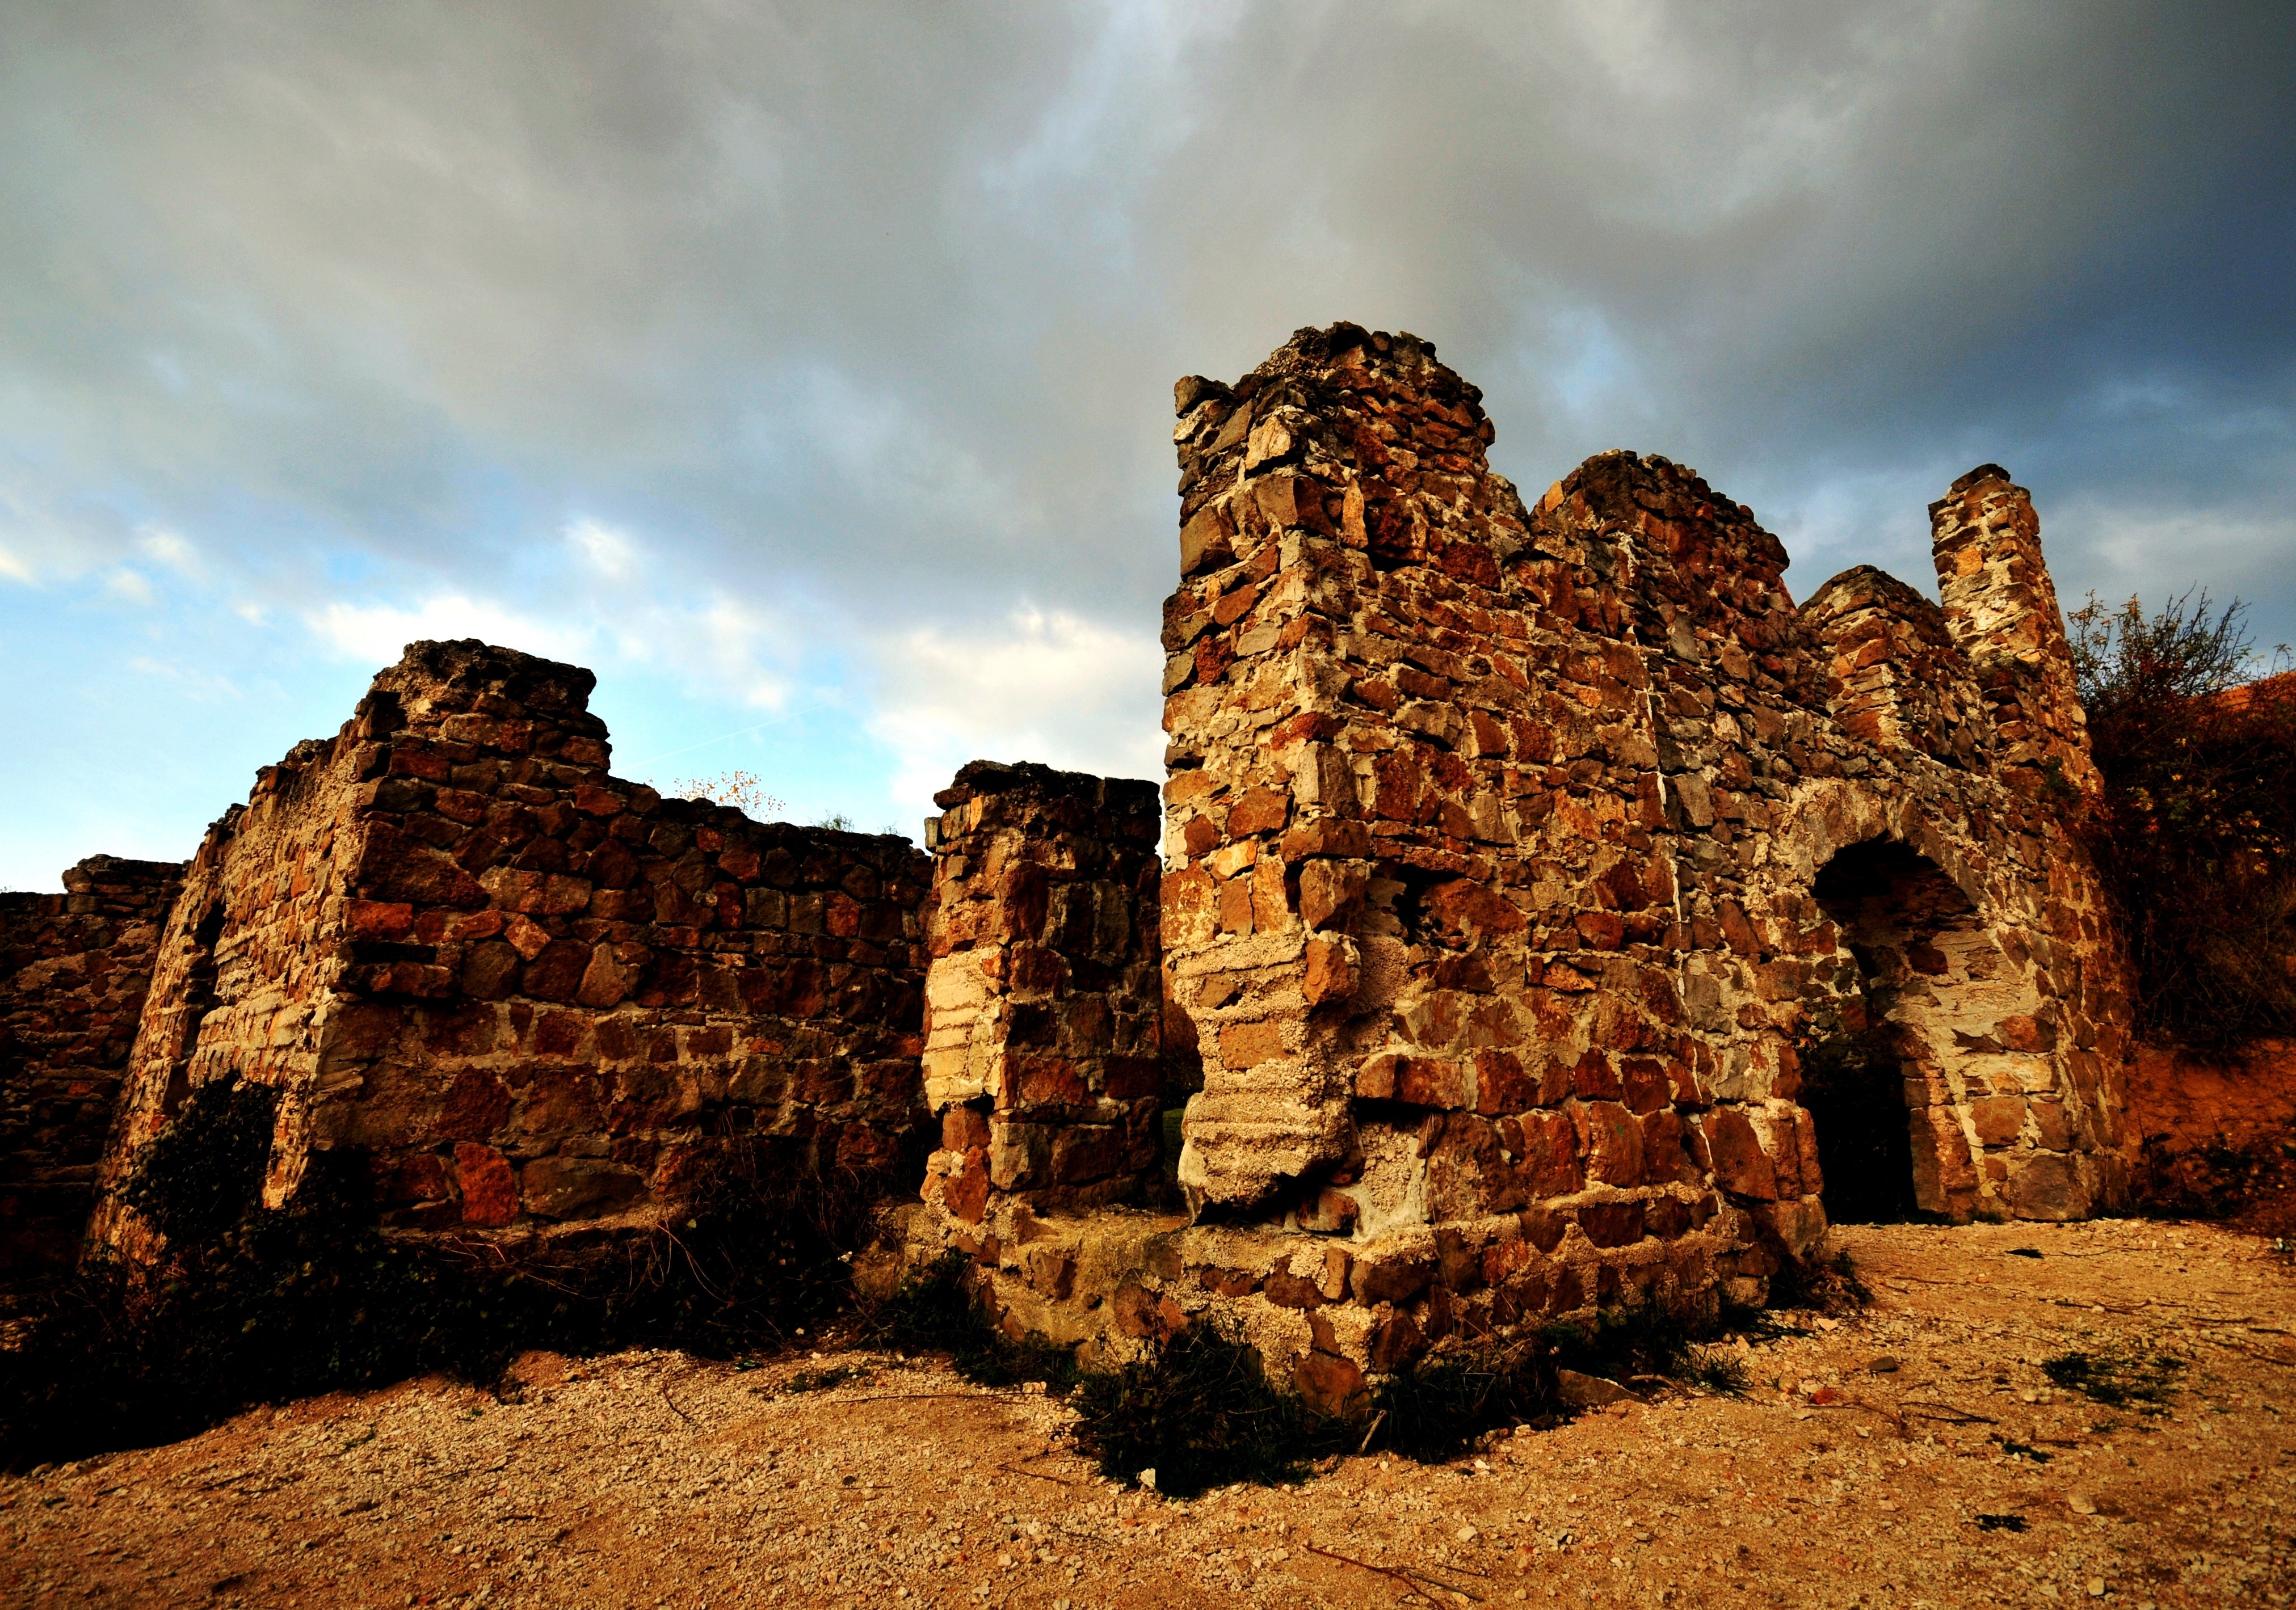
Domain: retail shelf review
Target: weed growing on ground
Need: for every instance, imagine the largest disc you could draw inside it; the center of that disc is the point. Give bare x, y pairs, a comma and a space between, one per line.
1717, 1370
1199, 1411
1832, 1286
2122, 1379
836, 1375
933, 1310
1439, 1408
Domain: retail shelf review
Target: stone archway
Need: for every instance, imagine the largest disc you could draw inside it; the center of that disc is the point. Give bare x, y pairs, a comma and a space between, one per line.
1890, 1139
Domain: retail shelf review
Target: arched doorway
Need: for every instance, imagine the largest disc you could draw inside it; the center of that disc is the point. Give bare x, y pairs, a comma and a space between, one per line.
1866, 1074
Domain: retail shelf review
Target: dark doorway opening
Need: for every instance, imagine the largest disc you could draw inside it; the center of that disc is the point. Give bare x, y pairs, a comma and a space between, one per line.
1853, 1087
1892, 906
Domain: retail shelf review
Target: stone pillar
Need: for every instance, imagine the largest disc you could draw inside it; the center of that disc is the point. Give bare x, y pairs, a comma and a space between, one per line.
2001, 607
1043, 998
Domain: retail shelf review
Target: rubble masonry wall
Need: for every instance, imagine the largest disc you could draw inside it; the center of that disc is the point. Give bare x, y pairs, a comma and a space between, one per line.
517, 994
74, 968
1494, 838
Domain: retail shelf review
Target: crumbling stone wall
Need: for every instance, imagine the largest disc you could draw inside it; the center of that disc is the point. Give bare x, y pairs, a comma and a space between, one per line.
1494, 835
1043, 996
74, 968
519, 993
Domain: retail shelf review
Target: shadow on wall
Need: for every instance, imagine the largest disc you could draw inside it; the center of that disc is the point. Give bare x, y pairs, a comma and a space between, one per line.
1865, 1085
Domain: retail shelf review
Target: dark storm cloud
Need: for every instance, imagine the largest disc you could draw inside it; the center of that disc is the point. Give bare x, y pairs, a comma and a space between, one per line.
868, 314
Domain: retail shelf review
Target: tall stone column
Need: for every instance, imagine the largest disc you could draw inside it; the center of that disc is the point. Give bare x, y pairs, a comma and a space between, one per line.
2001, 607
1042, 996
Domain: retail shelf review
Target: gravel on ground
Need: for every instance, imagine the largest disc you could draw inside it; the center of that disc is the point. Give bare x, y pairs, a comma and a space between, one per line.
1915, 1452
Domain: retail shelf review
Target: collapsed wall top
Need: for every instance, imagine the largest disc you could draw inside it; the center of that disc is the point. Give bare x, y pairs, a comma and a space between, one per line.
498, 989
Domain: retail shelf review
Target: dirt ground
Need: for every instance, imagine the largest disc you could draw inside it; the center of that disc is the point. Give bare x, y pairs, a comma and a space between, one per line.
1960, 1476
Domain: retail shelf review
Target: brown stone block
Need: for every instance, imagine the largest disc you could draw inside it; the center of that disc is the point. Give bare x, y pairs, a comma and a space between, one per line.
1131, 1078
1502, 1086
1668, 1155
556, 973
1244, 1045
1330, 891
413, 980
1546, 1144
2027, 1035
1271, 897
2054, 1123
1562, 976
1436, 1081
1235, 905
1594, 1079
822, 1081
1287, 1290
1611, 1140
379, 919
1646, 1086
1228, 1282
606, 979
564, 1033
1611, 1223
1330, 1384
1396, 1344
576, 1187
489, 1190
1390, 1277
1812, 1175
490, 970
2000, 1119
1206, 540
2049, 1186
1665, 1218
1733, 1156
1042, 1080
965, 1192
1331, 973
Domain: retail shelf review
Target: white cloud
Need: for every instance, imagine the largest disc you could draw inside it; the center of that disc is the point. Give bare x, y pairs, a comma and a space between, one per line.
201, 685
170, 548
608, 552
380, 633
1048, 686
133, 585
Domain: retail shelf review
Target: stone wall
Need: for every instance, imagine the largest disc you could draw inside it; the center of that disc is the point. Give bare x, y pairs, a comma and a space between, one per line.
74, 968
1043, 998
517, 994
1518, 855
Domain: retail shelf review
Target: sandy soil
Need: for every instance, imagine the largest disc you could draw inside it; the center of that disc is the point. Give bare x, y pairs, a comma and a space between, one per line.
653, 1478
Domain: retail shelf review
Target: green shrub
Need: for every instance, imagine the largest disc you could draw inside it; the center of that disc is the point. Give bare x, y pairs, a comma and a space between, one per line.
1199, 1411
2192, 833
2122, 1379
196, 1179
1439, 1407
933, 1310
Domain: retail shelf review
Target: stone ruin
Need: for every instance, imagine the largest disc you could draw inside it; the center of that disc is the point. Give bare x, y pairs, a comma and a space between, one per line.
1540, 906
524, 995
74, 970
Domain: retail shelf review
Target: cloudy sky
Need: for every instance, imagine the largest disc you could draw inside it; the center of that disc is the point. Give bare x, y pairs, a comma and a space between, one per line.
805, 370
